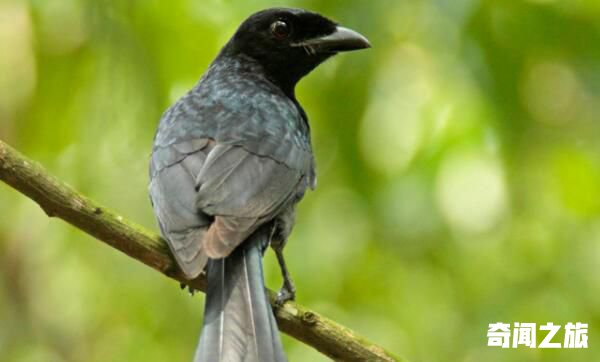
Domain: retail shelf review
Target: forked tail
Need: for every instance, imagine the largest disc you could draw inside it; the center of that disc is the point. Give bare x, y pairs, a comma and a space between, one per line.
239, 325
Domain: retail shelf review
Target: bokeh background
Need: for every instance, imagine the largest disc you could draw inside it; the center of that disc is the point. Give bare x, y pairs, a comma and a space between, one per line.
458, 162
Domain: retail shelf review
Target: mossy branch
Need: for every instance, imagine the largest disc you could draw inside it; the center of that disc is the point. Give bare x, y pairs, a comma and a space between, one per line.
57, 199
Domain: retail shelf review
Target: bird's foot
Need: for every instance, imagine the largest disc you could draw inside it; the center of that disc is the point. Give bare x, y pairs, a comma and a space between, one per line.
191, 290
287, 291
285, 294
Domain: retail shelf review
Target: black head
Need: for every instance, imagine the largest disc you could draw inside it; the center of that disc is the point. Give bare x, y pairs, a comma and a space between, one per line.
289, 43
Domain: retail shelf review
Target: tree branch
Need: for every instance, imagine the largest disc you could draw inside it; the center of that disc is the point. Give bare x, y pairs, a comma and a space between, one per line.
59, 200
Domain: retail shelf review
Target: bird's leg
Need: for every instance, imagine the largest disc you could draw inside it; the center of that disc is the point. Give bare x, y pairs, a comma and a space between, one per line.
287, 291
279, 234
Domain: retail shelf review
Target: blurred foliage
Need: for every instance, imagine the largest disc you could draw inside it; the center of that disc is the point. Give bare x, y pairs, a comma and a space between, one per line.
458, 159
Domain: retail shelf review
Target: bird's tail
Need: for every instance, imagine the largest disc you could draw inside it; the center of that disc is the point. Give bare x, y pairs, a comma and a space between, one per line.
239, 325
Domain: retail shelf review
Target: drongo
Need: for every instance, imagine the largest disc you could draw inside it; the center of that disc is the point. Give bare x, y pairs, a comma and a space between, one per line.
230, 160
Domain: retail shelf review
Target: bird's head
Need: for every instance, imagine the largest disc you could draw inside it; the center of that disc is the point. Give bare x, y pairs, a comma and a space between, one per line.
289, 43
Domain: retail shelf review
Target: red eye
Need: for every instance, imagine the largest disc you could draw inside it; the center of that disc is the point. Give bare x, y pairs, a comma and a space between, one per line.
280, 29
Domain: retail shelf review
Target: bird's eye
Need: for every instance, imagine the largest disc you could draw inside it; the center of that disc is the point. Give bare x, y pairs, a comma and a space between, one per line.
280, 29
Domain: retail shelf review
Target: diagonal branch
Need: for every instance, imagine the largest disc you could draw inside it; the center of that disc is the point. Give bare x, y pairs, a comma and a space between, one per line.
59, 200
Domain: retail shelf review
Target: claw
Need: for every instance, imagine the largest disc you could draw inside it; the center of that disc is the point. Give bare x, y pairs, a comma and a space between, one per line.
284, 295
191, 290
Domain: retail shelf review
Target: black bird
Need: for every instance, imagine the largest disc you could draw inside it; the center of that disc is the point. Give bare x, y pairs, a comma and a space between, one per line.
230, 160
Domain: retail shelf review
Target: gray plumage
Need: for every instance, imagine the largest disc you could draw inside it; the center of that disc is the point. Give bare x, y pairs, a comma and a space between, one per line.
230, 156
230, 161
233, 153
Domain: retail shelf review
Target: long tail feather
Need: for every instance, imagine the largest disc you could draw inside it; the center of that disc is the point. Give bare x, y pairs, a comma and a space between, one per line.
239, 325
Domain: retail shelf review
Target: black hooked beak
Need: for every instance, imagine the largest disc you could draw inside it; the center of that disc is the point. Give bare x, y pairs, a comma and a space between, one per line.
341, 40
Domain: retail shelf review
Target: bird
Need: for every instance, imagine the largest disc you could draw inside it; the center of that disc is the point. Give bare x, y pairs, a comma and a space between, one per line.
230, 160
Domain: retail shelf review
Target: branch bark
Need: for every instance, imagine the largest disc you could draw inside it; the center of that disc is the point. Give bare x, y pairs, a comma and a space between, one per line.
57, 199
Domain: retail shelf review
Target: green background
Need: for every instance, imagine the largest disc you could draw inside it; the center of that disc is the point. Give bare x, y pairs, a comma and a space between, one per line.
458, 163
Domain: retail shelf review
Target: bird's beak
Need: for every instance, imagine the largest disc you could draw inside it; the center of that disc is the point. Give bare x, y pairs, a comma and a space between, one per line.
341, 40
